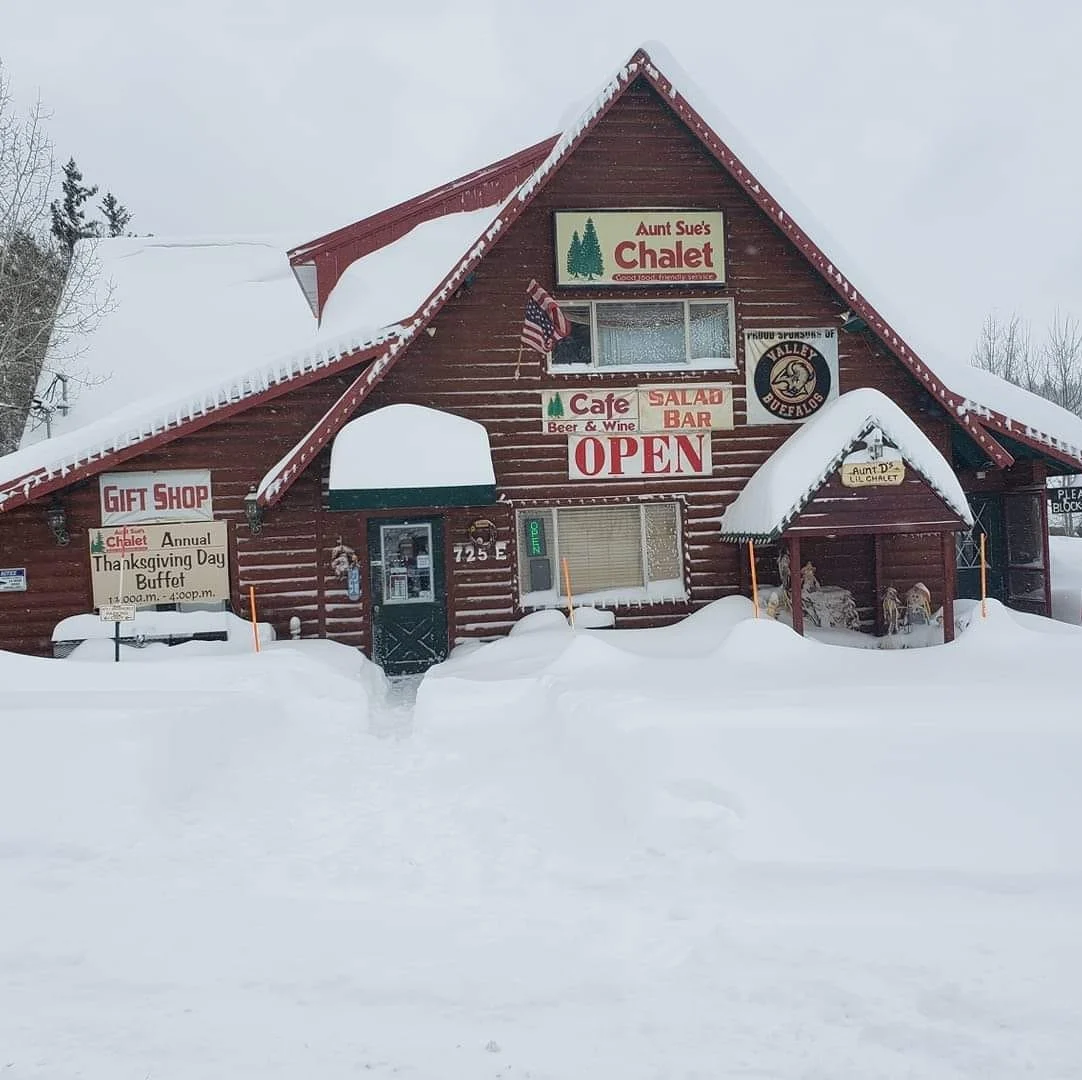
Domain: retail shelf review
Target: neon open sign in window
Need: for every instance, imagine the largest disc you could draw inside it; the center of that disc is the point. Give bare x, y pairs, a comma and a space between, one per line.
535, 538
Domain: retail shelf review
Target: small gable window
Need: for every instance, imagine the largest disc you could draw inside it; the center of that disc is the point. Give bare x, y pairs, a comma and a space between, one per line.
646, 335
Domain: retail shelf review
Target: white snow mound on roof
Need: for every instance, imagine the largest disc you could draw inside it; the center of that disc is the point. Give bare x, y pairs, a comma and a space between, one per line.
795, 471
410, 446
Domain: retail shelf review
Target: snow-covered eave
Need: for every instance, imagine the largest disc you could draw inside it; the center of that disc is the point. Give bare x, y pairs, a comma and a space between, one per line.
771, 530
73, 456
1062, 450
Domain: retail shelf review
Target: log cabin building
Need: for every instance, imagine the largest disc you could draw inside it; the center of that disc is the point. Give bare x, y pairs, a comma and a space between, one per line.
380, 460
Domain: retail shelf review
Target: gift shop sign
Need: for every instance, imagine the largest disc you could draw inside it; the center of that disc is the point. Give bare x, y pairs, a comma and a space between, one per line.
640, 247
683, 407
140, 498
610, 457
159, 564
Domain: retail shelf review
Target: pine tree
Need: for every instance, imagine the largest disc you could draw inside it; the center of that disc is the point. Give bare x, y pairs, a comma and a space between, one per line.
574, 255
116, 216
556, 407
592, 264
69, 218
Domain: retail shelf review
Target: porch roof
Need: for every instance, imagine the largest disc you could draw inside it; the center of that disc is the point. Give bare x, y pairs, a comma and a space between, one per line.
785, 483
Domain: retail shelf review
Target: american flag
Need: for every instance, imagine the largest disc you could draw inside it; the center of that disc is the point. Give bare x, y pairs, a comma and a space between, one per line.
544, 323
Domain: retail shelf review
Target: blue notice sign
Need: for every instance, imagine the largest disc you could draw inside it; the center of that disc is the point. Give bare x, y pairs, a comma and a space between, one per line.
13, 580
353, 582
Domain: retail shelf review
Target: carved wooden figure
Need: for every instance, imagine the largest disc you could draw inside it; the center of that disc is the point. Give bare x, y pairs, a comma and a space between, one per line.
918, 604
892, 610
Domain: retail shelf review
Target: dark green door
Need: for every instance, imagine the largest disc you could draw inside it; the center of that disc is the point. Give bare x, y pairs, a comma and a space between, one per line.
409, 597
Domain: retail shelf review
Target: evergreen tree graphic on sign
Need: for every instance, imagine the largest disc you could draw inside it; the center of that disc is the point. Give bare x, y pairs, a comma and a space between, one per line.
97, 546
574, 255
591, 264
556, 407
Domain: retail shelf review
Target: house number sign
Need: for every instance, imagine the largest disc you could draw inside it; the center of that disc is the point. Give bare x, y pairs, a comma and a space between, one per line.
482, 545
477, 553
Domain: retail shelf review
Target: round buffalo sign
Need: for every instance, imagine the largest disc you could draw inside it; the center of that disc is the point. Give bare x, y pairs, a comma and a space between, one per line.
792, 380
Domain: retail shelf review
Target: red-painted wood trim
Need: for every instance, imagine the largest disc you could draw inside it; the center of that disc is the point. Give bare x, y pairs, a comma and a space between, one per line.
1005, 426
877, 570
1047, 556
47, 484
433, 200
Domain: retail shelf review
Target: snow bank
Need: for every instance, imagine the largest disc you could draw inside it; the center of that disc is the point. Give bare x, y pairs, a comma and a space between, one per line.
1066, 553
164, 624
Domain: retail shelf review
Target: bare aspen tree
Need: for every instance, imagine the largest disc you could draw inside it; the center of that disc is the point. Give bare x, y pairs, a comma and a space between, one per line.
48, 299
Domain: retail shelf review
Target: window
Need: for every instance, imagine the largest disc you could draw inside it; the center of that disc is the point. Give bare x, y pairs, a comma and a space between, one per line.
627, 553
646, 335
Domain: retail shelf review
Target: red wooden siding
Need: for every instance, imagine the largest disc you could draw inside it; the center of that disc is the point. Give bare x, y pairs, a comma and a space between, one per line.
910, 507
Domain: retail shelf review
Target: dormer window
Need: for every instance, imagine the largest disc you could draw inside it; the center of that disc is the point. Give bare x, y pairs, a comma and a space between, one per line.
647, 335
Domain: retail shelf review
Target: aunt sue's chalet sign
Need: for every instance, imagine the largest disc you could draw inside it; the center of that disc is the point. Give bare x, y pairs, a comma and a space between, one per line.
640, 247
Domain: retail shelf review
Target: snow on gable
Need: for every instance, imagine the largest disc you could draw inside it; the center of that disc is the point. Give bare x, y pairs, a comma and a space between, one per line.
390, 284
798, 468
410, 446
1036, 417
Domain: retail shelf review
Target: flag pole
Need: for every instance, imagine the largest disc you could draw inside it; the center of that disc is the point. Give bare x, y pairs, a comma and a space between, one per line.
518, 361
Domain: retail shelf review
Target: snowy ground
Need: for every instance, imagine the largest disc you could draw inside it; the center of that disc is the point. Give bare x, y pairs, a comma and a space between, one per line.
709, 851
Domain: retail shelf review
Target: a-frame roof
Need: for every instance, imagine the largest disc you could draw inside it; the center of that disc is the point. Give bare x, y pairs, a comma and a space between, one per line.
787, 481
30, 476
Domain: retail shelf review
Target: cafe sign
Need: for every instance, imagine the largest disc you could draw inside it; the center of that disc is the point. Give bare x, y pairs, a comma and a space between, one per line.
640, 247
159, 564
141, 498
681, 407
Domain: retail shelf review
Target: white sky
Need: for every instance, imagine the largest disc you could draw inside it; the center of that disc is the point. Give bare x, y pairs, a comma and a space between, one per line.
935, 140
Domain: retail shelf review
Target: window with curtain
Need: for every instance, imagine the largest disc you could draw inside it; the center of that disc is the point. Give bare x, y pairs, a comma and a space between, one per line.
647, 335
632, 550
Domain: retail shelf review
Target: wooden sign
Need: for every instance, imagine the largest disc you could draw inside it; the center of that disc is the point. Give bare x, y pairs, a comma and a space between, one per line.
883, 473
686, 406
640, 247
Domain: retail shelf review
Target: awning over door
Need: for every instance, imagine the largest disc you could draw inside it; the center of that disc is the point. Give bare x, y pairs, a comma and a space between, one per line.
411, 456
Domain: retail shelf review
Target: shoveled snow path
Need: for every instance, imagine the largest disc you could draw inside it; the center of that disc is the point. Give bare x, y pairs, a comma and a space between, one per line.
644, 871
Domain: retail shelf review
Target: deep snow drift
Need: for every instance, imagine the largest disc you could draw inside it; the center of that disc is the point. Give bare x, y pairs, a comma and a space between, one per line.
714, 850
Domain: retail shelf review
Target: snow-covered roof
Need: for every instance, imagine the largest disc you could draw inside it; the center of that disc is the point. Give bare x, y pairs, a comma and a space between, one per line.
192, 325
1034, 417
413, 277
410, 446
788, 479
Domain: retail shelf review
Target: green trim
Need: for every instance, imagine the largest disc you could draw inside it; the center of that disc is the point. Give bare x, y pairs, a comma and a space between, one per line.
410, 498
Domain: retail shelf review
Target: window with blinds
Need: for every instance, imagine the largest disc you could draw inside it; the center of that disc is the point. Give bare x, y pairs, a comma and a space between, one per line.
626, 548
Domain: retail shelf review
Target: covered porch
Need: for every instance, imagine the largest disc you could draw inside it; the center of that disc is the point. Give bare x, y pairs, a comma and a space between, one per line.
852, 523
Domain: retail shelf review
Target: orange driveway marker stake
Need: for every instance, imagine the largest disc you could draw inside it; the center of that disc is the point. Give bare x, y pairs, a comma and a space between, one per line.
984, 581
255, 625
567, 585
754, 578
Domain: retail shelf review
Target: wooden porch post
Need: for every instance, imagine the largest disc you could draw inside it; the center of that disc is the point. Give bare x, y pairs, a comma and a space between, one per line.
949, 584
795, 584
877, 600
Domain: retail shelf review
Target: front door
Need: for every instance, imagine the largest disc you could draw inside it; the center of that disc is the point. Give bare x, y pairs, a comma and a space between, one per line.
409, 598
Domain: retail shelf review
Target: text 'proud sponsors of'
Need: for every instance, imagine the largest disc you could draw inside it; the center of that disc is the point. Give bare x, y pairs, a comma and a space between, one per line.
140, 498
159, 564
